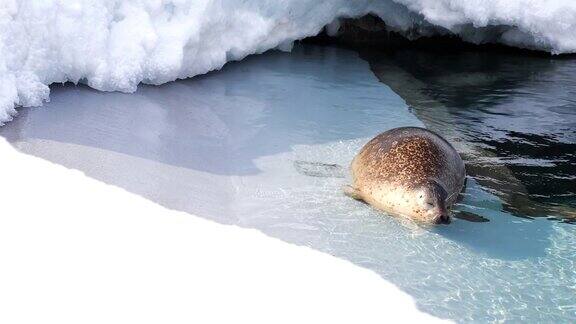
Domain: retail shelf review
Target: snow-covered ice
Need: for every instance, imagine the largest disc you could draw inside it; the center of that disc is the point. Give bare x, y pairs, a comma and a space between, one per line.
116, 45
85, 252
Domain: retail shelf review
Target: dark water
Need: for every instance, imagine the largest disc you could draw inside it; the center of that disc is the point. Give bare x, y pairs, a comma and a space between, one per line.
513, 116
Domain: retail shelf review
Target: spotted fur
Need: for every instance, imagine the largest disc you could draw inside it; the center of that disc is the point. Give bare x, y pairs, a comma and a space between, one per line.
391, 167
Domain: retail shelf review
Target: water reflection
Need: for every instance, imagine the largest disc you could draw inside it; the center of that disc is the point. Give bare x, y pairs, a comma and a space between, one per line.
212, 128
513, 117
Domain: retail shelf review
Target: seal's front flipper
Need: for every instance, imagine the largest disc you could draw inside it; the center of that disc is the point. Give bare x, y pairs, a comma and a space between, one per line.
352, 192
462, 192
468, 216
317, 169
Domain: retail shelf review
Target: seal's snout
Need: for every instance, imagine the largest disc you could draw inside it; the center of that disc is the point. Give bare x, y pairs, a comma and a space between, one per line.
443, 219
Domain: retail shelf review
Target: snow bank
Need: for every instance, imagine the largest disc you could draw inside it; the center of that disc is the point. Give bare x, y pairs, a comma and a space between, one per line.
544, 25
115, 45
91, 253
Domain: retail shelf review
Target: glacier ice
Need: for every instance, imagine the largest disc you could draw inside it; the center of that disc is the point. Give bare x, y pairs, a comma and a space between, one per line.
114, 45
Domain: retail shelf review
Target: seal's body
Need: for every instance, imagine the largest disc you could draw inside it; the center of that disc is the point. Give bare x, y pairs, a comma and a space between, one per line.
410, 172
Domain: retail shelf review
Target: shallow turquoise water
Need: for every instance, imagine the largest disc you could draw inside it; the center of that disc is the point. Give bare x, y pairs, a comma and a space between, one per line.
223, 147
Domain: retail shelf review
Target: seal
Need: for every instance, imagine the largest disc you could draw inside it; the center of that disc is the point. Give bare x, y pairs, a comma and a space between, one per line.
410, 172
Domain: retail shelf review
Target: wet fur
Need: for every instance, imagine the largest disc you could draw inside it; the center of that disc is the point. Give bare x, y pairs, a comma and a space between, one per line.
395, 163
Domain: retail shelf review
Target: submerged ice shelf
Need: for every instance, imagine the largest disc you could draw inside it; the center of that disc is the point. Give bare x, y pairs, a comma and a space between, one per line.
223, 147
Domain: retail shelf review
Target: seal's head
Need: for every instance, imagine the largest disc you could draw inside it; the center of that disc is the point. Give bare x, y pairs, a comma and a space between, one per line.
431, 198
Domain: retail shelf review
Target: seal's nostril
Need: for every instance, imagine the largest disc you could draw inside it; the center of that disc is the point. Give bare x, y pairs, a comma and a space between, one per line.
444, 219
